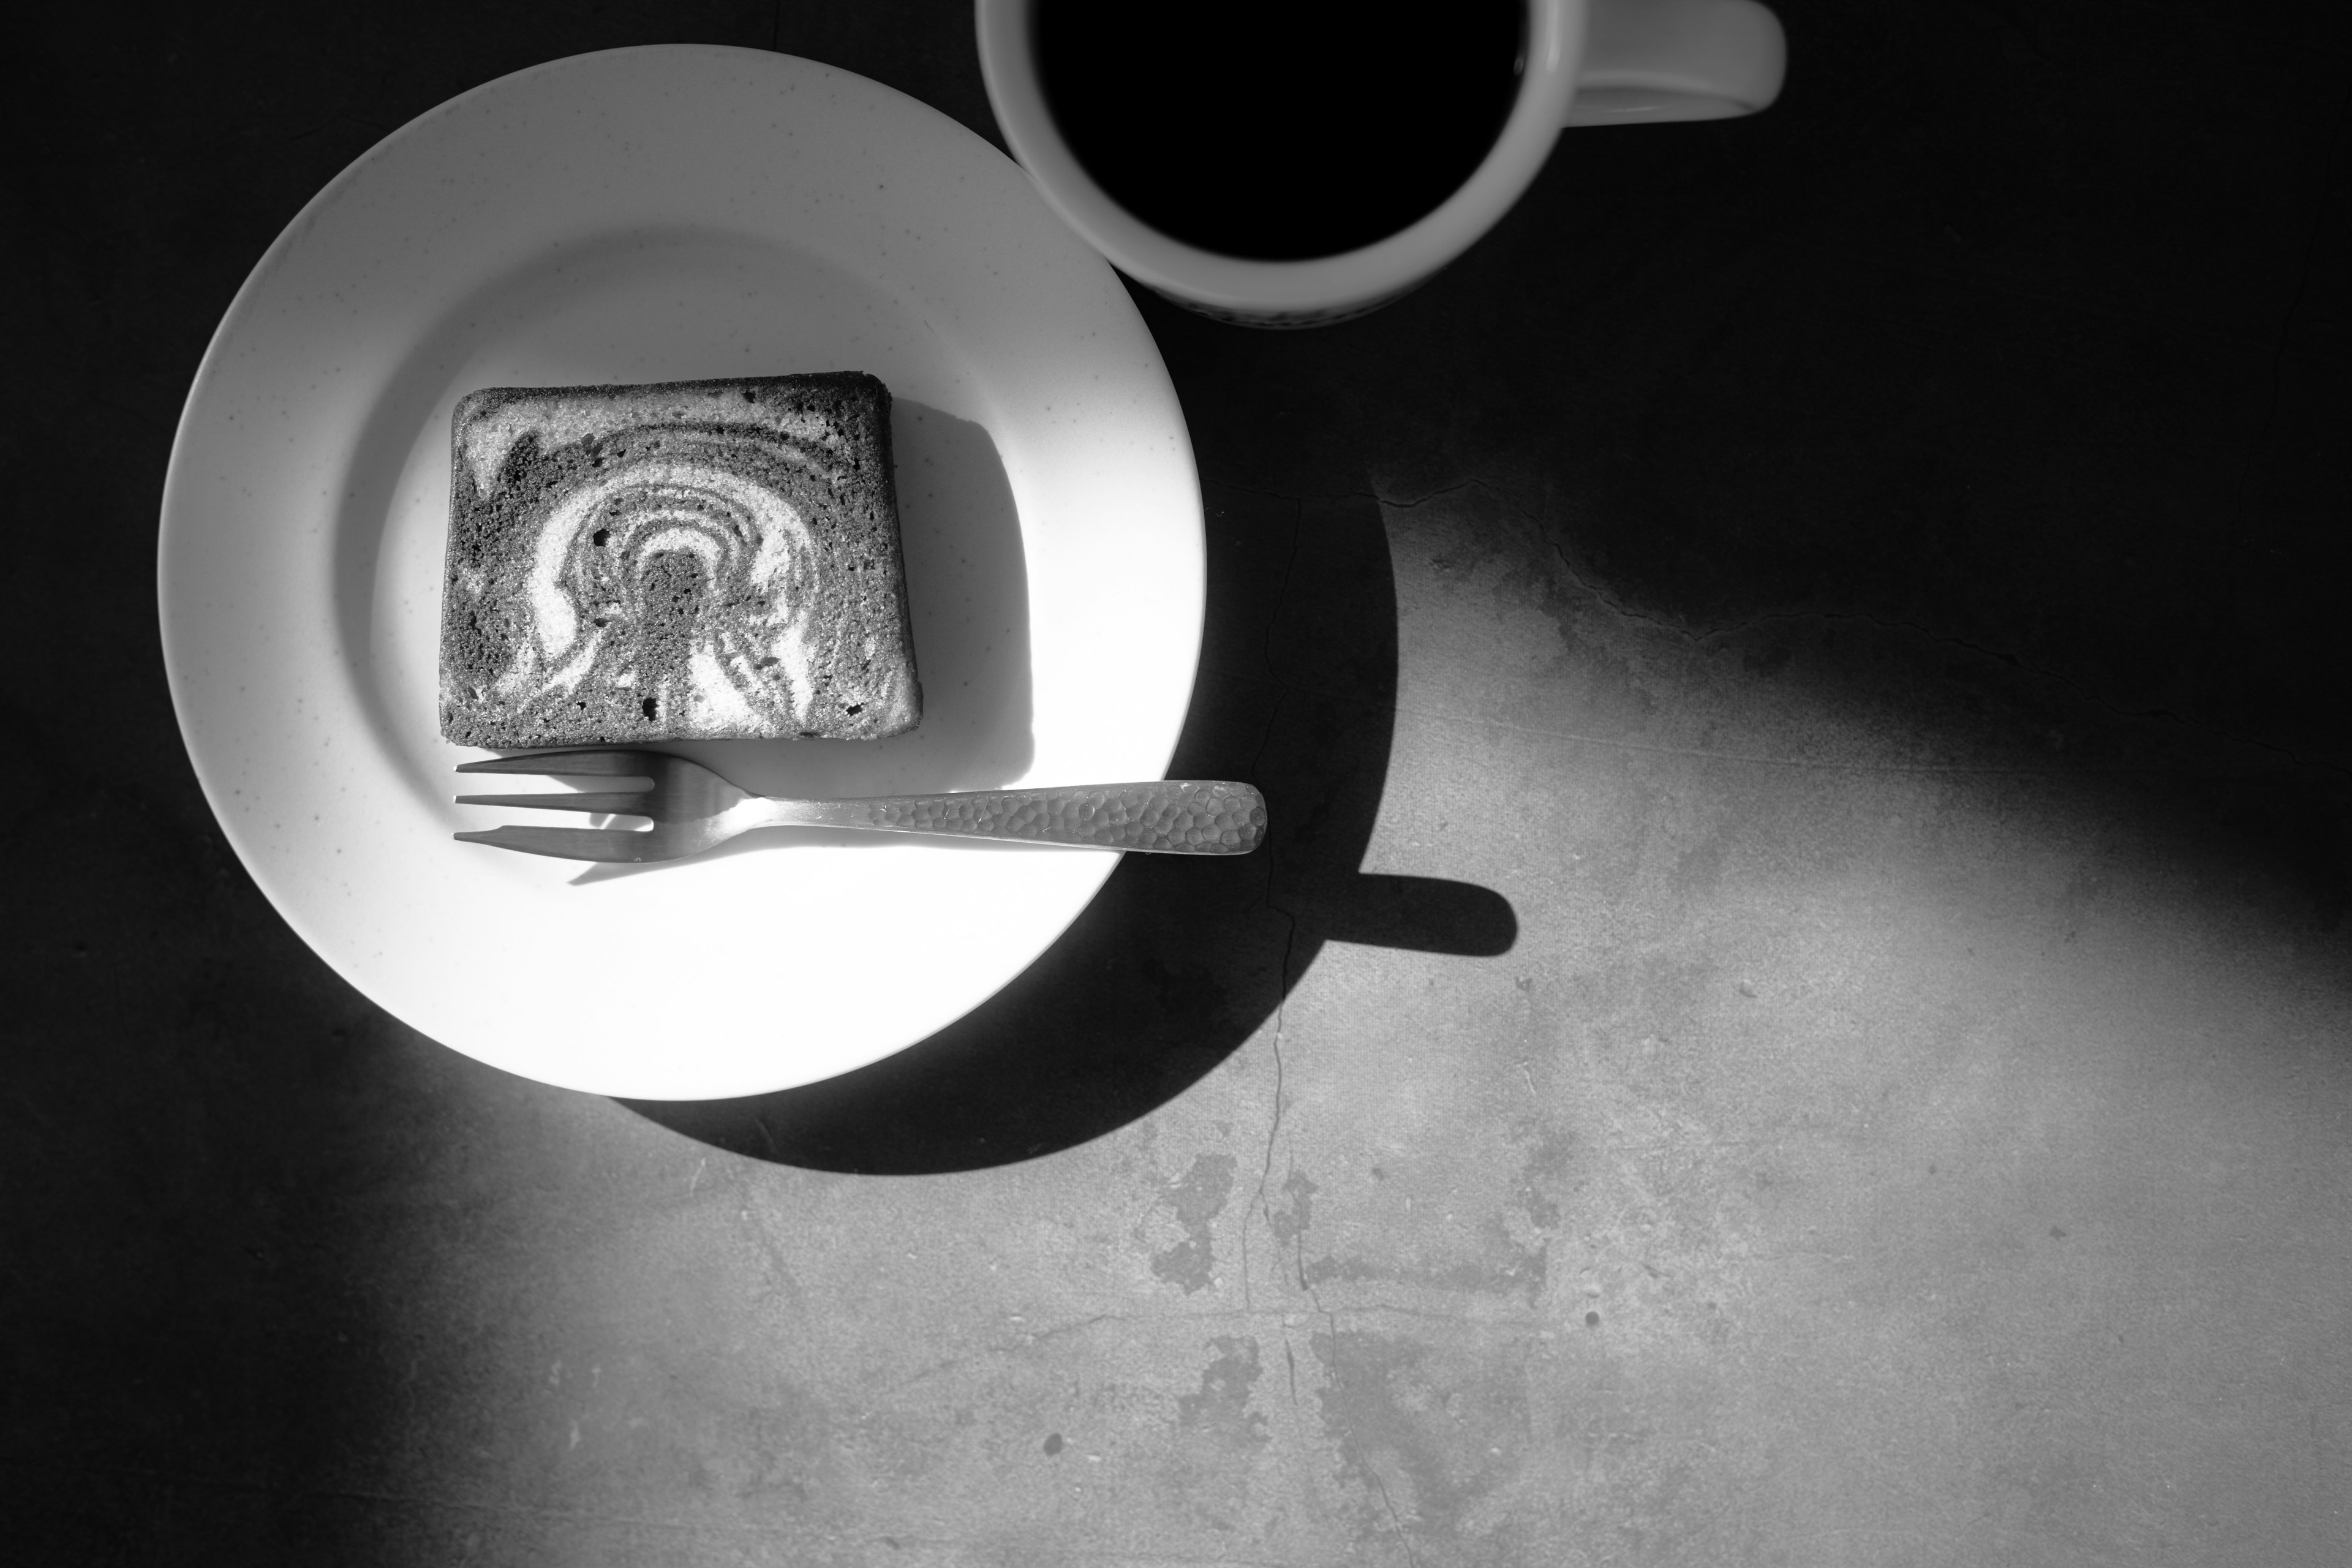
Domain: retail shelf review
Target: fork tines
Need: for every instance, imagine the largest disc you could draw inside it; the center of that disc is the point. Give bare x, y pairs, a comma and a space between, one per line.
622, 803
612, 845
562, 764
568, 843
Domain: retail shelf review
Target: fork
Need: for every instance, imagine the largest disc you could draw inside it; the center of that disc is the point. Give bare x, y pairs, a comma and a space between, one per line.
693, 809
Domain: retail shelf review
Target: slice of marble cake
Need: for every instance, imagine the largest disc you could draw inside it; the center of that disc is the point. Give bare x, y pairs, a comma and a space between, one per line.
701, 560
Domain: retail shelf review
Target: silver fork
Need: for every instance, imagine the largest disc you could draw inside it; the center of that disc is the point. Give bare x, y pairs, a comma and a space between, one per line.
693, 808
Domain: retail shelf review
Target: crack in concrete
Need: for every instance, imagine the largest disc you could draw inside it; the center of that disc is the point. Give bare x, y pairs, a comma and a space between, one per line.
1517, 1322
781, 1282
1274, 1127
1058, 1330
1290, 938
1098, 1560
1395, 1519
1027, 1340
1298, 1246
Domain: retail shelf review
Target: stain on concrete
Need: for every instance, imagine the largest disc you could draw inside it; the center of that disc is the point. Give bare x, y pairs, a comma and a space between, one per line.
1545, 1166
2057, 1500
1606, 698
781, 1452
1197, 1198
1698, 871
1290, 1222
1503, 1268
1428, 1434
1222, 1408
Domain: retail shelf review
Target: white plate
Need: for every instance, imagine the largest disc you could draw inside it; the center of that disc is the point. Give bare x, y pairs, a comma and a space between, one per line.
652, 214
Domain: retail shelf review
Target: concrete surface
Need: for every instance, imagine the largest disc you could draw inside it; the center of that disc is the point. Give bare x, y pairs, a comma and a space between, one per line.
1800, 1011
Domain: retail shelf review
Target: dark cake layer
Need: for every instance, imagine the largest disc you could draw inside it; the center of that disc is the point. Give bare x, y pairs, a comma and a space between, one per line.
705, 560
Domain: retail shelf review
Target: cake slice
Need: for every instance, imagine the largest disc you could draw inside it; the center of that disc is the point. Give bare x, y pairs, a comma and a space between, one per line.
699, 560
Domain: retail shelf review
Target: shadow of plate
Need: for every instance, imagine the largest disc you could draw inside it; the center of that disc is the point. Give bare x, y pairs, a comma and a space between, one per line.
1178, 960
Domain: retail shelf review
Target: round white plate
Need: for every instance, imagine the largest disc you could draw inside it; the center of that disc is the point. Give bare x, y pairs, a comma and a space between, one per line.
657, 214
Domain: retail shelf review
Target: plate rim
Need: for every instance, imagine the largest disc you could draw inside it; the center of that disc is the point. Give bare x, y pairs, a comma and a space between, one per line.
176, 510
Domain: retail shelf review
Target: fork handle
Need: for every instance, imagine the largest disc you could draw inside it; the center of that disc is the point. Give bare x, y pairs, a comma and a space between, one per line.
1172, 816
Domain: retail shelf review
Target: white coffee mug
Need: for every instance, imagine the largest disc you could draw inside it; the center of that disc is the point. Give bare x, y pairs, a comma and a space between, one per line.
1589, 62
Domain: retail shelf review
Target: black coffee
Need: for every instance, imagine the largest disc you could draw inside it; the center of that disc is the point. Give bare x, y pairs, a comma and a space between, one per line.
1279, 131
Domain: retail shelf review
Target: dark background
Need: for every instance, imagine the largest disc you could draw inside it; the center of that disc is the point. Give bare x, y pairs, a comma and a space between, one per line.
1998, 374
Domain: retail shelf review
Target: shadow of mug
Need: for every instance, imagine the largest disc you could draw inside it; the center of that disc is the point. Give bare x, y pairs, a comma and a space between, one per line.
1177, 962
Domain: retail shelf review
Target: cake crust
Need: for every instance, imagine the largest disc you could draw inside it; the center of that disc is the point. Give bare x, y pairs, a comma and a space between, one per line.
702, 560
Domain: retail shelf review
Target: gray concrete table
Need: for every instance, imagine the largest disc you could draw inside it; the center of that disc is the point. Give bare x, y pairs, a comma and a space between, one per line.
1799, 1009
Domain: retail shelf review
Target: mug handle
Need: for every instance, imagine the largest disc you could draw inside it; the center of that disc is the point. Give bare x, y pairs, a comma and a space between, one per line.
1677, 60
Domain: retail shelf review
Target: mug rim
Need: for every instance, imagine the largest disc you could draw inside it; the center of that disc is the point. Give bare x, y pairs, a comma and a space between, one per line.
1241, 286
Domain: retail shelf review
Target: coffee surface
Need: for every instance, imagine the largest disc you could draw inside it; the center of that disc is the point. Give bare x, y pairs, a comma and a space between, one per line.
1280, 130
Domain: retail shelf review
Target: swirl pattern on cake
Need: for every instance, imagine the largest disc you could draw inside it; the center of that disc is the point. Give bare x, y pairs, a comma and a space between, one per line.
711, 560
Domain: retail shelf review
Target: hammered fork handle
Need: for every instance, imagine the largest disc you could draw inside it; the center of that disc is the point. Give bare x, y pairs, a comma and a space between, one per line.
1176, 817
